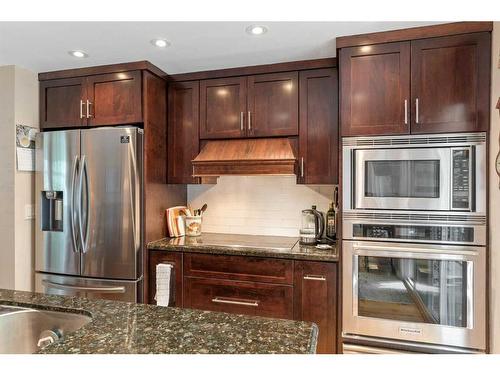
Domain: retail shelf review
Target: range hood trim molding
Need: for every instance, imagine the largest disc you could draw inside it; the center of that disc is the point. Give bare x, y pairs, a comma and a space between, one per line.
246, 157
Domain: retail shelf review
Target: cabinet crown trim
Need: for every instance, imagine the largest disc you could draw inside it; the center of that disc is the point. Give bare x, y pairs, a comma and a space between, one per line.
102, 69
422, 32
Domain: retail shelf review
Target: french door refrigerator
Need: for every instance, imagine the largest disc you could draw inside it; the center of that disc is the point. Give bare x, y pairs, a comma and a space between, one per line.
89, 202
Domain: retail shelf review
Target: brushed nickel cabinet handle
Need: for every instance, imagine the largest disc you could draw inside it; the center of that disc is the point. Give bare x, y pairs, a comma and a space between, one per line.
89, 103
241, 120
235, 302
249, 120
315, 277
416, 111
406, 112
302, 167
81, 109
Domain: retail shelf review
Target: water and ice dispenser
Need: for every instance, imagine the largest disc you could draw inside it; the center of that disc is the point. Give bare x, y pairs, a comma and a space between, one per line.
52, 211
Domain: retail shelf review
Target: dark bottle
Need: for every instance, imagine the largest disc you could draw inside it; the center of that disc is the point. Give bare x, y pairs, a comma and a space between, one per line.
331, 222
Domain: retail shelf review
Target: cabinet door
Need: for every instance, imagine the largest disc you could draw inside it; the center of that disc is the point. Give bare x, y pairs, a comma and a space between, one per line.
450, 83
157, 257
115, 98
375, 89
273, 105
62, 103
223, 107
318, 127
315, 300
183, 131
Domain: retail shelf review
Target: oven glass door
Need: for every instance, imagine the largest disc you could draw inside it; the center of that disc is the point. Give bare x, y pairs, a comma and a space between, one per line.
426, 293
403, 179
413, 290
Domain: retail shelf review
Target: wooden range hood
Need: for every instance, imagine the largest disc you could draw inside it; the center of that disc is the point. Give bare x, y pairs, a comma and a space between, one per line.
265, 156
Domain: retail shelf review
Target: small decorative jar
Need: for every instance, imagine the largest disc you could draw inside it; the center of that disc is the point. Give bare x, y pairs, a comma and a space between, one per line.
193, 226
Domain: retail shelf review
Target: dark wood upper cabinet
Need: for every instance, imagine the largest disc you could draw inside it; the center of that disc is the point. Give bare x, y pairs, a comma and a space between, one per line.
272, 108
315, 300
93, 100
183, 131
450, 83
222, 107
264, 105
435, 84
62, 103
114, 98
318, 126
375, 89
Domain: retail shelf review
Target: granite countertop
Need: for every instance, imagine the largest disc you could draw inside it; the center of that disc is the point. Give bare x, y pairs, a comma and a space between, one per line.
120, 327
237, 244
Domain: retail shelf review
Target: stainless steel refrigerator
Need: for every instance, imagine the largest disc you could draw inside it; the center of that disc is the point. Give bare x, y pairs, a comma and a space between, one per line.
89, 202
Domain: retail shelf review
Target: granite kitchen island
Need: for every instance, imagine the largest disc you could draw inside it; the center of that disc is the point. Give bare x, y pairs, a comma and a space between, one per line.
129, 328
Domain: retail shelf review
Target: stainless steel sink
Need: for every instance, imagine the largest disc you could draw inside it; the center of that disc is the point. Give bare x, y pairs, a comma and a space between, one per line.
27, 330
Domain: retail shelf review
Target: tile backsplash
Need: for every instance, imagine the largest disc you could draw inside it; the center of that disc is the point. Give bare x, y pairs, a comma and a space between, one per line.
261, 205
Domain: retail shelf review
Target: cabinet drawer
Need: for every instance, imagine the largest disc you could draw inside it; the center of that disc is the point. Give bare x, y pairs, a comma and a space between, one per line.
239, 297
278, 271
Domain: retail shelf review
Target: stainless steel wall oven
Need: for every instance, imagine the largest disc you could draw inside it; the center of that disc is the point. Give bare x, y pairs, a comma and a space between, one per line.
414, 241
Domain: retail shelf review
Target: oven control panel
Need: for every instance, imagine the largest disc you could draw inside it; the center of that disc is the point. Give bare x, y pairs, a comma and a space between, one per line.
414, 232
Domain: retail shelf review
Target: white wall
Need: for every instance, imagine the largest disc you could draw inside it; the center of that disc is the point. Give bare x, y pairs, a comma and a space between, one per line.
7, 166
18, 105
263, 205
495, 196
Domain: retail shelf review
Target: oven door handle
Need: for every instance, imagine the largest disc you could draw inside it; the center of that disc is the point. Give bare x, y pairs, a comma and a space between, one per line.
417, 250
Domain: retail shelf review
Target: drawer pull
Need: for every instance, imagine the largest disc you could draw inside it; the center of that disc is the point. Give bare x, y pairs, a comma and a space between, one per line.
314, 277
235, 302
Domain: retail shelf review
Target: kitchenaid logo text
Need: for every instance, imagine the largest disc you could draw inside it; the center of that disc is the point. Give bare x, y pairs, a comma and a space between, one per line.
410, 331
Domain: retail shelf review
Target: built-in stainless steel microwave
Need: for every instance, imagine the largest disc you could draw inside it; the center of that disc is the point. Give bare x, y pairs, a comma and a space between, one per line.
441, 172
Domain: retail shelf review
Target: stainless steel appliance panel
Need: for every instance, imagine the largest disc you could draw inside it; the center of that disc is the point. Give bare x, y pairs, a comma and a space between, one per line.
57, 162
438, 172
415, 226
431, 294
363, 349
356, 344
118, 290
111, 189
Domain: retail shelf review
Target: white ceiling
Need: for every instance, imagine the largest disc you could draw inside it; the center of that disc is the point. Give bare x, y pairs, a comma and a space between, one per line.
195, 46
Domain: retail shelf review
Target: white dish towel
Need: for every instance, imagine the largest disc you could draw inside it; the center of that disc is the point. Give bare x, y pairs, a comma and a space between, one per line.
163, 274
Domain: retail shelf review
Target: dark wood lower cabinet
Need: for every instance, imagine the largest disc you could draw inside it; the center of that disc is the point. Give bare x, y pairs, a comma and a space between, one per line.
259, 286
157, 257
315, 300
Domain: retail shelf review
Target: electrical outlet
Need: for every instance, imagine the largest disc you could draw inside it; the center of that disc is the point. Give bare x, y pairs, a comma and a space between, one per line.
29, 212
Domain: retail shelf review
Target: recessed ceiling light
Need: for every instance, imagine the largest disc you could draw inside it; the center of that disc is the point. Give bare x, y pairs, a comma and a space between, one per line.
79, 54
256, 30
160, 43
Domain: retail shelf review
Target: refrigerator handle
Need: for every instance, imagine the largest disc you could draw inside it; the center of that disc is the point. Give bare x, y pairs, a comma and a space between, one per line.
83, 237
73, 212
134, 195
106, 289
